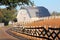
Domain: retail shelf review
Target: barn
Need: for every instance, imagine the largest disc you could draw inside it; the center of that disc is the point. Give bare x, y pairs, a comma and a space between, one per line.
27, 13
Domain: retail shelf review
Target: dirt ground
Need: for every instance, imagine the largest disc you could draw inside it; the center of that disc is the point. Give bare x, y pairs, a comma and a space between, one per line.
4, 35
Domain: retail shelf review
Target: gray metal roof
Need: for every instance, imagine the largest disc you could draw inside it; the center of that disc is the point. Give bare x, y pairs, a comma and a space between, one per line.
37, 11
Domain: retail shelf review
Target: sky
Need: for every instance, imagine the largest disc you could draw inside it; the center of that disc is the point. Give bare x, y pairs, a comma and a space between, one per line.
51, 5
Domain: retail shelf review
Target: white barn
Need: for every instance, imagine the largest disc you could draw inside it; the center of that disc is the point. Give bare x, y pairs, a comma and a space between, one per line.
29, 14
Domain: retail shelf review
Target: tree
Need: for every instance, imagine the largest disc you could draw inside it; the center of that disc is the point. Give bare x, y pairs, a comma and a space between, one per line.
7, 15
1, 16
13, 3
55, 13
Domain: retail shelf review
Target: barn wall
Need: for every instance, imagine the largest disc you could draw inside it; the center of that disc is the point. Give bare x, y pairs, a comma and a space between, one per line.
25, 14
22, 15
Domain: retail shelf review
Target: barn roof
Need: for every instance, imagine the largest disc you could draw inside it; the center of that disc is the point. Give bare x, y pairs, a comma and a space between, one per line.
39, 11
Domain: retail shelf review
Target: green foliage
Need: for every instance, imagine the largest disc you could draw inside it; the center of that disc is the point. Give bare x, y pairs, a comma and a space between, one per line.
1, 16
14, 3
7, 15
55, 13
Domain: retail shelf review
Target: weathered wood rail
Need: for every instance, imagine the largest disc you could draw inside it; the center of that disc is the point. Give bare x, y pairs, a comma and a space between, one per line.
38, 32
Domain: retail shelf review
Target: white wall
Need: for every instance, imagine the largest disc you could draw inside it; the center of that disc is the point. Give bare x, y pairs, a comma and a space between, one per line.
22, 15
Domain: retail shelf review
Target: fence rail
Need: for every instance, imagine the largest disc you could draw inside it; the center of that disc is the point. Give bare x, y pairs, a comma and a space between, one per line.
39, 32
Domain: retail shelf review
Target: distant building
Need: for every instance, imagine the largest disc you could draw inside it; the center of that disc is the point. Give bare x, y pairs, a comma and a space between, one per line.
1, 24
27, 13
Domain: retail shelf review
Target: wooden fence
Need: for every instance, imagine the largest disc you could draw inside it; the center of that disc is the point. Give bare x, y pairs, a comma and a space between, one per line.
38, 32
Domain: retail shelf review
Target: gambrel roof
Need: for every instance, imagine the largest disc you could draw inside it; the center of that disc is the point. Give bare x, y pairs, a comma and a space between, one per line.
37, 11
